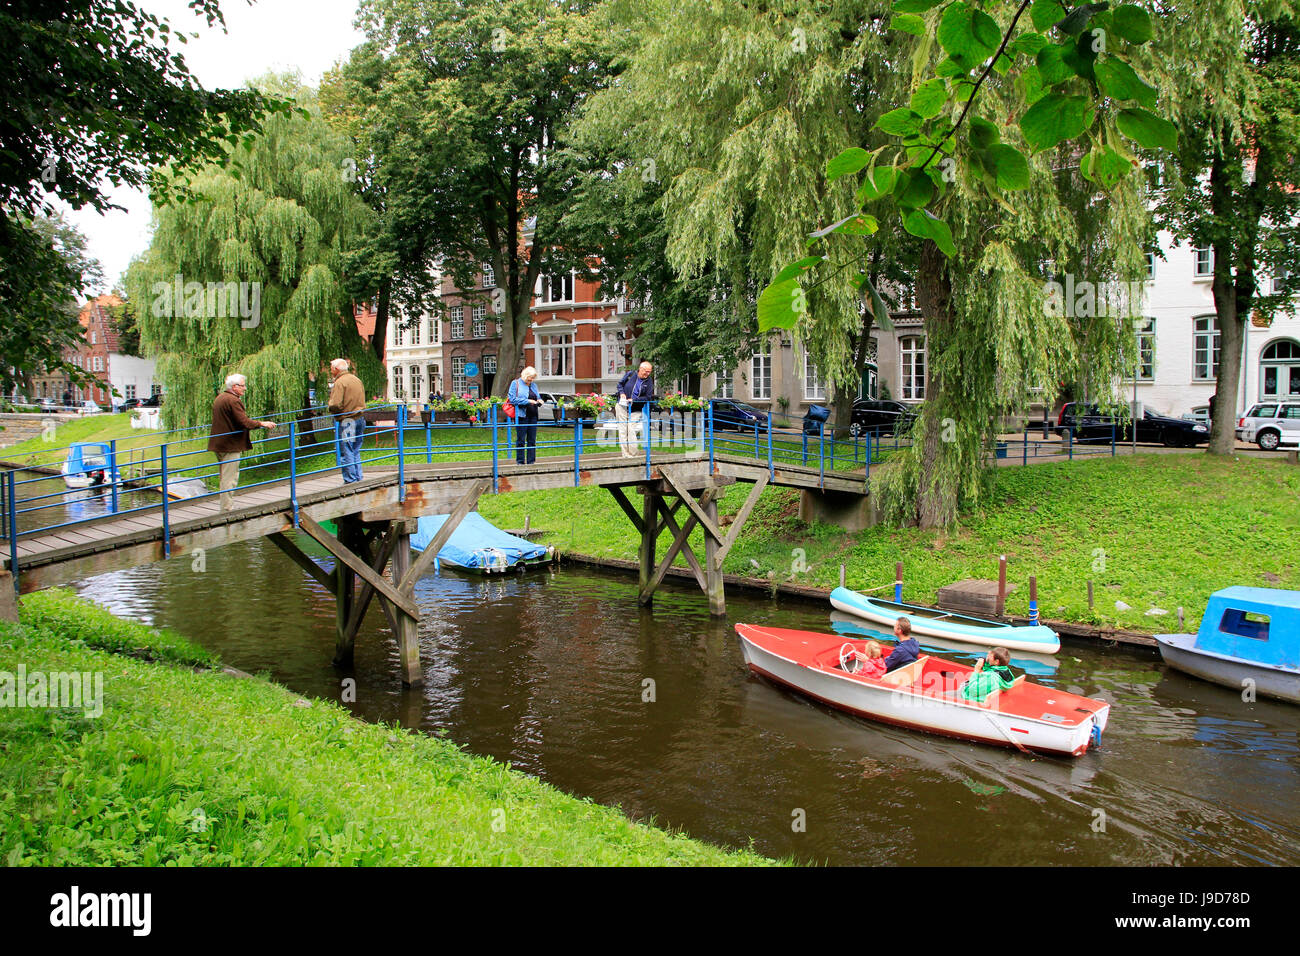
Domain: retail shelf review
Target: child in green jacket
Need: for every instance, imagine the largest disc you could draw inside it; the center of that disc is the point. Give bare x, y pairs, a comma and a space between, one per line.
985, 680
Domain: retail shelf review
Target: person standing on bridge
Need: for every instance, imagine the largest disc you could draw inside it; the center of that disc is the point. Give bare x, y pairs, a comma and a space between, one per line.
523, 395
636, 390
348, 402
229, 437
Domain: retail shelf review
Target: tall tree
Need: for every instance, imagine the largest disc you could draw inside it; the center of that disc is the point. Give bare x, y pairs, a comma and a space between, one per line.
249, 277
93, 95
462, 119
1232, 185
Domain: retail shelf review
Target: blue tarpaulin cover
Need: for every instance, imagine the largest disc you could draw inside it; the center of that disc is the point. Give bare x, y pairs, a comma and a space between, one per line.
477, 543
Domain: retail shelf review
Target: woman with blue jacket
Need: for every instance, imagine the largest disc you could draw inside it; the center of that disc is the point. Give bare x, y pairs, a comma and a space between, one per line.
524, 397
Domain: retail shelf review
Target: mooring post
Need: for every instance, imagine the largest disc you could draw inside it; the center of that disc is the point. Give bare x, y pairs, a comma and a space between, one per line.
408, 643
841, 575
1180, 618
1089, 595
713, 564
898, 582
1033, 599
649, 532
1002, 587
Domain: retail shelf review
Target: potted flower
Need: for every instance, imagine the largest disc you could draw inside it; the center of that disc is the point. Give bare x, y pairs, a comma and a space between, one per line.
380, 411
587, 408
457, 408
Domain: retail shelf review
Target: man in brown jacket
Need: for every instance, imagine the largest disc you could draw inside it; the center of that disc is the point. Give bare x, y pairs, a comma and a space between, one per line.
348, 402
229, 436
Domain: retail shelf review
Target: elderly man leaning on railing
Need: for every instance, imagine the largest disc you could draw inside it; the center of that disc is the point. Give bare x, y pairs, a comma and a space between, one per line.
229, 437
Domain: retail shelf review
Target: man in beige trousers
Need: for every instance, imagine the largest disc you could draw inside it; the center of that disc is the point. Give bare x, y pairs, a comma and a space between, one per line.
229, 437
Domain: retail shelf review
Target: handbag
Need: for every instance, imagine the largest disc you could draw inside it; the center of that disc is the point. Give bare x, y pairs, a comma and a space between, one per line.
508, 409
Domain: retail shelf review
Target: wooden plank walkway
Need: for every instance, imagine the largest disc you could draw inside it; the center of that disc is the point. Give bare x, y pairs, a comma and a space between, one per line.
103, 543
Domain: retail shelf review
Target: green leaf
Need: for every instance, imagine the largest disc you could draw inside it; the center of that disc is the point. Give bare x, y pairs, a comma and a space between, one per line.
849, 161
914, 188
1045, 14
1132, 23
1051, 64
1147, 129
854, 224
949, 67
776, 305
983, 134
1054, 119
1080, 56
900, 122
796, 269
1104, 166
879, 311
924, 225
908, 23
876, 183
1029, 43
915, 6
1009, 165
1119, 81
968, 35
930, 98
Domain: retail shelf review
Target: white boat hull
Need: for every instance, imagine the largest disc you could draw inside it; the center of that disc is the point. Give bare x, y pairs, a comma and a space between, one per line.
906, 708
1261, 679
994, 637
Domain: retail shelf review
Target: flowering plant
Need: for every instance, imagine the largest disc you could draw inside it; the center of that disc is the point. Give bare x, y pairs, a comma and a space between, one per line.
681, 403
588, 406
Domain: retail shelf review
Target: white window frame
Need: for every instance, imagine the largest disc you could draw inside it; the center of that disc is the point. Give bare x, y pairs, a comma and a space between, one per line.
488, 363
399, 335
814, 389
1202, 262
459, 382
760, 374
724, 386
489, 276
1146, 345
555, 354
129, 392
399, 382
479, 328
912, 360
435, 331
417, 383
457, 322
546, 291
1210, 348
1151, 266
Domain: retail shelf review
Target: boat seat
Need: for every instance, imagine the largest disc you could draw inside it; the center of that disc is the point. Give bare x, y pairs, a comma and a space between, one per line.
906, 675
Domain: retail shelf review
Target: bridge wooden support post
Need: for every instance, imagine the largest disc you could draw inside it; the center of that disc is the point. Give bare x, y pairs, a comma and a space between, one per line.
713, 585
649, 535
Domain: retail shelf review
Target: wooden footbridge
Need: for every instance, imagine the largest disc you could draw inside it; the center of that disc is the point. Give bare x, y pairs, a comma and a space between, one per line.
377, 515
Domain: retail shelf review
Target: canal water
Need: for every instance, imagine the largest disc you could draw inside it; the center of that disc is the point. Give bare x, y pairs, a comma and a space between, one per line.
561, 674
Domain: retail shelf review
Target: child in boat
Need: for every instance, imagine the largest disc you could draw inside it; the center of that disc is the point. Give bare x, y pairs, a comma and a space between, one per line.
907, 649
871, 662
984, 680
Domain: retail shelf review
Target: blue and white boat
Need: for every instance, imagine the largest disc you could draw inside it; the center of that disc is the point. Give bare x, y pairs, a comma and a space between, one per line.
947, 625
478, 545
1249, 638
90, 464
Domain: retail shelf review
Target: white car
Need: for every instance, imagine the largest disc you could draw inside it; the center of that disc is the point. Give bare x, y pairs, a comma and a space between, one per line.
1271, 424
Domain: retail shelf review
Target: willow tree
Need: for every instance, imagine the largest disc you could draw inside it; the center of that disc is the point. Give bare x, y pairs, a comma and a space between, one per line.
247, 276
1231, 185
1014, 107
711, 128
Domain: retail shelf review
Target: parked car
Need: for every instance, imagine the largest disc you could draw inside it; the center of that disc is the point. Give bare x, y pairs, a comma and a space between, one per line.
1271, 424
1089, 424
549, 410
89, 407
130, 403
153, 401
731, 414
49, 404
880, 417
1201, 413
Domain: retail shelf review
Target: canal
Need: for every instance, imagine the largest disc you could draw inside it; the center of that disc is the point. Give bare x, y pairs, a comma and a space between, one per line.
561, 674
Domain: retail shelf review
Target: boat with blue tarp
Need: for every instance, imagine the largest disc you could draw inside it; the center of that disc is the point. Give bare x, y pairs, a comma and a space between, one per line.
90, 464
1249, 639
478, 545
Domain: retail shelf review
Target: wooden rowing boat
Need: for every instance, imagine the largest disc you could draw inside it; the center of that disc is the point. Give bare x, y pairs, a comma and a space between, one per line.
925, 695
948, 625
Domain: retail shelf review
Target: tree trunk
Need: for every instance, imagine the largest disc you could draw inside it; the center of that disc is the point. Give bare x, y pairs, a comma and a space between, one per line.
936, 496
379, 341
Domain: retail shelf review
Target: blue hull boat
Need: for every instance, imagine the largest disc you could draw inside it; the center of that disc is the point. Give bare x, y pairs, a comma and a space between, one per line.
1249, 640
948, 626
480, 546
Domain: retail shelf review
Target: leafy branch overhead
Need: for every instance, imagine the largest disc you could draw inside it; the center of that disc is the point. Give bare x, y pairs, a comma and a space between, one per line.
1069, 69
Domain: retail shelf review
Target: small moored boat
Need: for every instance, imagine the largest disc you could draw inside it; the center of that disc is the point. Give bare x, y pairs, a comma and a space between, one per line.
925, 694
89, 464
480, 546
947, 625
1249, 639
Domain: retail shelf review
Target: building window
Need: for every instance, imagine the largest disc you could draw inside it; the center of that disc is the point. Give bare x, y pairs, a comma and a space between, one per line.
1205, 349
399, 334
480, 321
458, 322
1279, 370
99, 363
489, 364
399, 385
814, 389
130, 392
155, 389
489, 276
92, 337
458, 382
724, 386
907, 298
435, 331
1204, 261
612, 358
1279, 278
556, 353
1146, 350
417, 384
557, 288
911, 354
760, 379
433, 380
1151, 265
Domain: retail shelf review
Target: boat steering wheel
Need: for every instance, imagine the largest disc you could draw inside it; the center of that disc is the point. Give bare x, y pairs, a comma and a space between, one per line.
849, 655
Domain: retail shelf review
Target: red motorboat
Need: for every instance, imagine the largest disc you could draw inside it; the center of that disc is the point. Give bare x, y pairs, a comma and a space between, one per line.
926, 694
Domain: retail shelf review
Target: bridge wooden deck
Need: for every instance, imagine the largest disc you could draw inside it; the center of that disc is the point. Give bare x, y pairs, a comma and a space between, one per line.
47, 558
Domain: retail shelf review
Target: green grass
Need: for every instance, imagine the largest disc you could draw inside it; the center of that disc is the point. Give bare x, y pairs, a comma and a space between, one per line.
1151, 530
187, 767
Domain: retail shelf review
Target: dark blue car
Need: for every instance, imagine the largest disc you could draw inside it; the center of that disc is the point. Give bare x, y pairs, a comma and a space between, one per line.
731, 414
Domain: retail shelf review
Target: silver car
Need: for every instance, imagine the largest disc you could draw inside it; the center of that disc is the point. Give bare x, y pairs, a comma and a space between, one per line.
1270, 424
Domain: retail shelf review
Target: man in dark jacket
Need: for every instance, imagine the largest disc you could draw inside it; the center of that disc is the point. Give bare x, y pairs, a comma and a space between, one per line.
636, 389
229, 436
906, 650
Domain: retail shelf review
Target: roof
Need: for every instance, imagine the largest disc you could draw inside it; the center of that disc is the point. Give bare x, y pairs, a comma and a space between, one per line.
1277, 597
96, 311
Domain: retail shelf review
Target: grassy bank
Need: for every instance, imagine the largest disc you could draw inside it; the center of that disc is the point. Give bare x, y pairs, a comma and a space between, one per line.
1157, 531
193, 766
